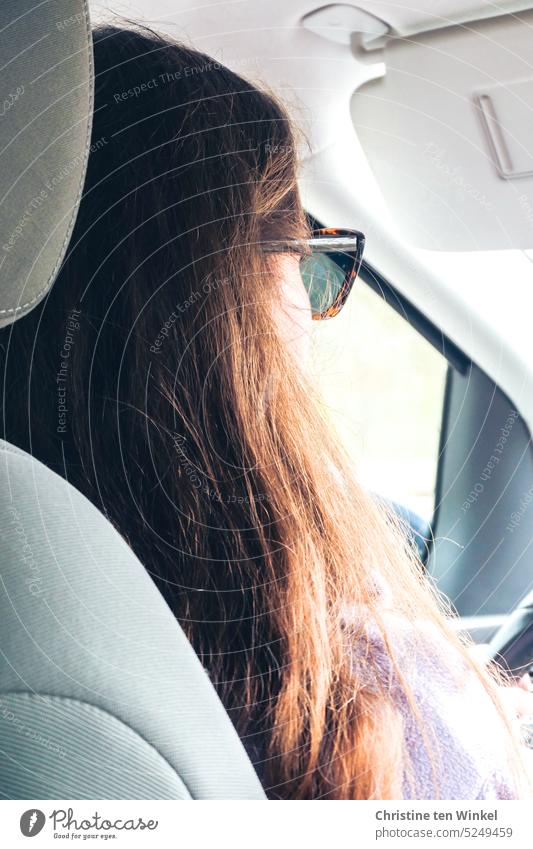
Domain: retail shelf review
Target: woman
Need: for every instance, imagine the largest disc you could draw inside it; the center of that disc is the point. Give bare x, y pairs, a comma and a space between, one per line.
165, 378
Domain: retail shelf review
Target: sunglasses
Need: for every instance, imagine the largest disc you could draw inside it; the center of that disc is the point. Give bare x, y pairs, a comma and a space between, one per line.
329, 264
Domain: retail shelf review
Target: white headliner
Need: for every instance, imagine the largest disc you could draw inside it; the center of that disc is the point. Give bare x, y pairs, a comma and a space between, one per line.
405, 17
410, 16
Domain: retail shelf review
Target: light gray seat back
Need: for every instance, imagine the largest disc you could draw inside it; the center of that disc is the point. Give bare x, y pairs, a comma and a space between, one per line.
101, 695
45, 129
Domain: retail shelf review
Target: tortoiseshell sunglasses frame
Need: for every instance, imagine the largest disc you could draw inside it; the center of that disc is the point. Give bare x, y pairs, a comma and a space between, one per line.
324, 235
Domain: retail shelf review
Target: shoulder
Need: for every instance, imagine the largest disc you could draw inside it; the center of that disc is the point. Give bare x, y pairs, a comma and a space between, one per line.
453, 733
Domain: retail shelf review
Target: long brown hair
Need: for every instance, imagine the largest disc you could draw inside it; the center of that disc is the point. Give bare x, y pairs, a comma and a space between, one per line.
154, 379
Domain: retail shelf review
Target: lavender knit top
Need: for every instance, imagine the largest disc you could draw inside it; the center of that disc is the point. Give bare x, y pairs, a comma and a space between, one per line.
466, 738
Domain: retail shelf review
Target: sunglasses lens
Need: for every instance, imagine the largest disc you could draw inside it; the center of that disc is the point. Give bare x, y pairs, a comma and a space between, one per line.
323, 278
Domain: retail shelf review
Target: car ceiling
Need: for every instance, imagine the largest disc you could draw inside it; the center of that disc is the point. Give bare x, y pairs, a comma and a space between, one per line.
407, 17
404, 17
415, 96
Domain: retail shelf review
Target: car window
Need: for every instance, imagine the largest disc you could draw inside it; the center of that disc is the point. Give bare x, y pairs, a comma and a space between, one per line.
383, 387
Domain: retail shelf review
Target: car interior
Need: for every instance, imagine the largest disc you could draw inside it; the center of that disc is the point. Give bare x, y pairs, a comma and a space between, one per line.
415, 127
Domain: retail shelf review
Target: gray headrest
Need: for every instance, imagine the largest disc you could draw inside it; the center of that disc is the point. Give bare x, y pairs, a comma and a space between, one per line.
45, 126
